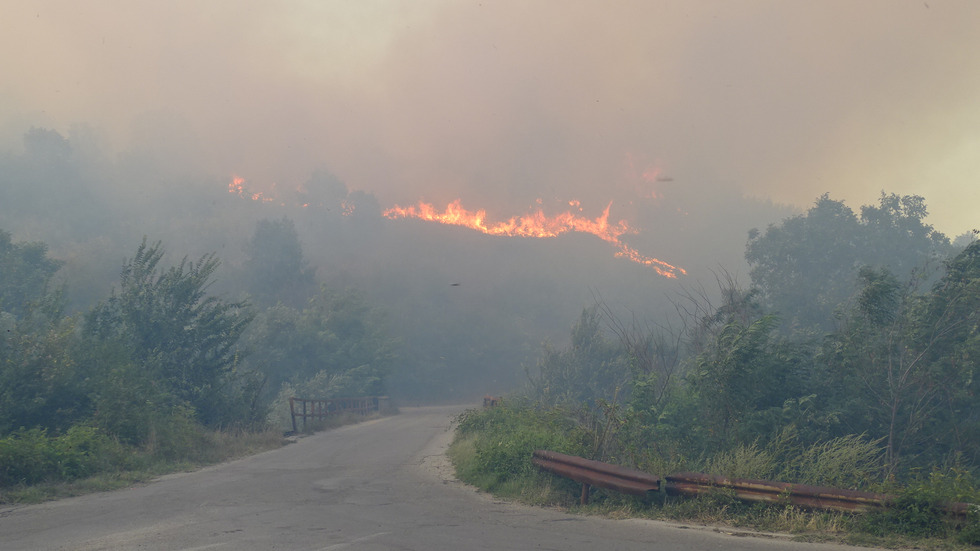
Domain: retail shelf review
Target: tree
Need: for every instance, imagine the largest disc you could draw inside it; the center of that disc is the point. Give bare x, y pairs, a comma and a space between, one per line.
899, 359
183, 338
592, 368
807, 266
323, 190
25, 274
41, 382
804, 266
275, 268
953, 310
897, 236
743, 377
339, 339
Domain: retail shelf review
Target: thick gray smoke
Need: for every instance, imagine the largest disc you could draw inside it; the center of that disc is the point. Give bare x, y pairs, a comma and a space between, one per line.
501, 104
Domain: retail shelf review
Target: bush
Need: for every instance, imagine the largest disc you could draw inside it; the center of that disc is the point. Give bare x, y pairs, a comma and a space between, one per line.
920, 509
177, 437
505, 438
29, 456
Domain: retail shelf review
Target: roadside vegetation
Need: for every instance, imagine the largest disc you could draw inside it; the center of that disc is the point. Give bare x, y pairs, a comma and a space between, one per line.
492, 451
158, 376
36, 466
849, 361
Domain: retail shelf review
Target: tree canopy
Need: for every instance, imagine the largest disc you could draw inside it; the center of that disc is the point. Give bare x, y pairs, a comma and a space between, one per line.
25, 274
173, 329
807, 265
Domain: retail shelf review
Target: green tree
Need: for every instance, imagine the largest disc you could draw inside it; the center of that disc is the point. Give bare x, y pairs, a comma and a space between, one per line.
894, 358
952, 314
41, 383
592, 368
182, 337
275, 268
898, 237
339, 339
804, 266
25, 275
807, 265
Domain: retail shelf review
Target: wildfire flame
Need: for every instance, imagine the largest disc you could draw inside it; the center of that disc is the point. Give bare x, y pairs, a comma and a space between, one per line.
537, 224
237, 186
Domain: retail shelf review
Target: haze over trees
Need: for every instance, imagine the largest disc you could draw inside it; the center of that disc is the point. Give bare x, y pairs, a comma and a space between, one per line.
851, 326
807, 265
852, 329
274, 268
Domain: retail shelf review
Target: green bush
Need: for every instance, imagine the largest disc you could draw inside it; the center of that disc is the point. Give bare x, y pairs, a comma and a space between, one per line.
29, 456
177, 437
911, 515
920, 508
22, 457
969, 532
505, 438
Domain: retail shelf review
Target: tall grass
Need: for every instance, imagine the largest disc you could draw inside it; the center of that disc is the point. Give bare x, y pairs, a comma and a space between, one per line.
848, 462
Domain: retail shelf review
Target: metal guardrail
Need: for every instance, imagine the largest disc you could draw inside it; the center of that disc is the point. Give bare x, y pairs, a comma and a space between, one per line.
634, 482
819, 497
596, 473
306, 408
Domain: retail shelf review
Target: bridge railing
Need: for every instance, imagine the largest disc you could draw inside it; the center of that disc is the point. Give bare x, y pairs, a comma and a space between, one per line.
320, 409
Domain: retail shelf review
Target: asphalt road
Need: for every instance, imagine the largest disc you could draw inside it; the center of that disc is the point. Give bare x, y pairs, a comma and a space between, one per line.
383, 484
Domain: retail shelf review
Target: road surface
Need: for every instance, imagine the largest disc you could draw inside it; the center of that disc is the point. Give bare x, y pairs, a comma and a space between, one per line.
383, 484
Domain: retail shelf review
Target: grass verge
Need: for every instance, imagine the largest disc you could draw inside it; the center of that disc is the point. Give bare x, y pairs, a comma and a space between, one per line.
492, 451
113, 466
142, 465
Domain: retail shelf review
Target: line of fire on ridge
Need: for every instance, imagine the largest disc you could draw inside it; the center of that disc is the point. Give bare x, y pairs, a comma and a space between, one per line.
536, 225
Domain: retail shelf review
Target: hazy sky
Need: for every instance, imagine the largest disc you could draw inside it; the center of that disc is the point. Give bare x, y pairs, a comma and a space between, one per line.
500, 103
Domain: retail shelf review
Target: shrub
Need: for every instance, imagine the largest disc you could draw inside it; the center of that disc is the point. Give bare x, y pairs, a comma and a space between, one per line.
505, 438
29, 456
920, 509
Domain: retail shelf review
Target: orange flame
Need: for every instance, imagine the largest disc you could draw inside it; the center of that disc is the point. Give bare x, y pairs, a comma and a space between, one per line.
237, 186
537, 225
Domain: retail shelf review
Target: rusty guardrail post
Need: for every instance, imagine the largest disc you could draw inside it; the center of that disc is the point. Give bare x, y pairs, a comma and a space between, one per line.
596, 473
